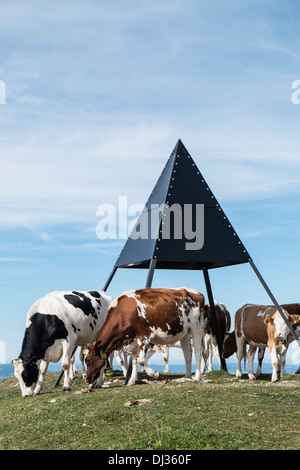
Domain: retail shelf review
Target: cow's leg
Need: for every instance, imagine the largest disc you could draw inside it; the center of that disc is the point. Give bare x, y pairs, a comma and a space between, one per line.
205, 352
185, 343
134, 373
211, 351
142, 359
215, 350
282, 364
40, 384
260, 356
125, 356
81, 357
72, 368
149, 354
152, 373
274, 360
197, 334
240, 354
251, 355
66, 362
121, 362
165, 351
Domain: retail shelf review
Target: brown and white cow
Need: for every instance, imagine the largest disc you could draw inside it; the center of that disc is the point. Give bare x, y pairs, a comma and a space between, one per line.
261, 326
149, 316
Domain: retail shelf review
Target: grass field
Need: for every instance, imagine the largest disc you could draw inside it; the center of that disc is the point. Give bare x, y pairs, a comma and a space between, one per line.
219, 413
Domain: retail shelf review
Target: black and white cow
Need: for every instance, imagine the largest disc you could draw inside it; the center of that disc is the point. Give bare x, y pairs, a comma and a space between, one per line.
55, 324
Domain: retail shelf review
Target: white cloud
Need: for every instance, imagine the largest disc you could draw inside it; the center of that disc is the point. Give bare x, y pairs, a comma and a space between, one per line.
6, 259
98, 96
65, 176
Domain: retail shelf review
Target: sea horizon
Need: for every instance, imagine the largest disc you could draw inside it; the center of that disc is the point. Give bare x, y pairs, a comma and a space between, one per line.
7, 369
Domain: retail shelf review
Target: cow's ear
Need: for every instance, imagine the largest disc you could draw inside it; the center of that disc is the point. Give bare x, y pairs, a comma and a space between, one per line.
268, 321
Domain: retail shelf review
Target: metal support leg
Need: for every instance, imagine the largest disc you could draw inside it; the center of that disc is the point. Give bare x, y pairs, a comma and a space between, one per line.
148, 284
109, 279
214, 317
151, 272
274, 301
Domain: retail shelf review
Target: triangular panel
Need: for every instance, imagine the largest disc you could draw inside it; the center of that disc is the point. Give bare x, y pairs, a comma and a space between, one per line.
181, 186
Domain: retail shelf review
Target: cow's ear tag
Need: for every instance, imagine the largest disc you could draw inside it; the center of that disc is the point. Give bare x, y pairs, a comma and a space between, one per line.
269, 323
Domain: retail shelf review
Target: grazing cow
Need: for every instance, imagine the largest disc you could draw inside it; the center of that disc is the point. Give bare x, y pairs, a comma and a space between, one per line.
55, 324
149, 316
260, 327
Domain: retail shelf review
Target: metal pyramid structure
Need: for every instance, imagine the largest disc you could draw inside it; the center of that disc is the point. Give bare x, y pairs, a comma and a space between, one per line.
182, 190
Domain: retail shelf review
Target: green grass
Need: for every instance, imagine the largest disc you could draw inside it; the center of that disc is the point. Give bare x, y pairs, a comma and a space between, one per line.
217, 413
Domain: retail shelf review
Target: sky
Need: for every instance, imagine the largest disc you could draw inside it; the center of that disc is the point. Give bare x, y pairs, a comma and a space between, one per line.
96, 97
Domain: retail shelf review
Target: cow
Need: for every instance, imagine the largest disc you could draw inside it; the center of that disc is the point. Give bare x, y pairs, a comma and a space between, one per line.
210, 345
262, 326
210, 337
142, 317
55, 324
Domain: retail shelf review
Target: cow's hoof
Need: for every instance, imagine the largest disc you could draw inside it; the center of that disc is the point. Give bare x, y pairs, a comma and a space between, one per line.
66, 389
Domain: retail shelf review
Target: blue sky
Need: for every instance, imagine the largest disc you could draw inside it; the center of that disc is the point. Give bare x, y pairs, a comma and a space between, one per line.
97, 96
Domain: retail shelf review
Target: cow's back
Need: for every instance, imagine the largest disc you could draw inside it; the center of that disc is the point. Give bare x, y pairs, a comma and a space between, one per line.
249, 323
162, 313
82, 312
161, 305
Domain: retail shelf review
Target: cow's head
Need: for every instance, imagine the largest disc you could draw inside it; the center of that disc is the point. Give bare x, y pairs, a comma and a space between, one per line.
95, 360
229, 345
27, 373
278, 328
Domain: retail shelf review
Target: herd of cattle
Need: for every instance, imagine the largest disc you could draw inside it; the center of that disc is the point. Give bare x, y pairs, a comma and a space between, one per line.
140, 322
